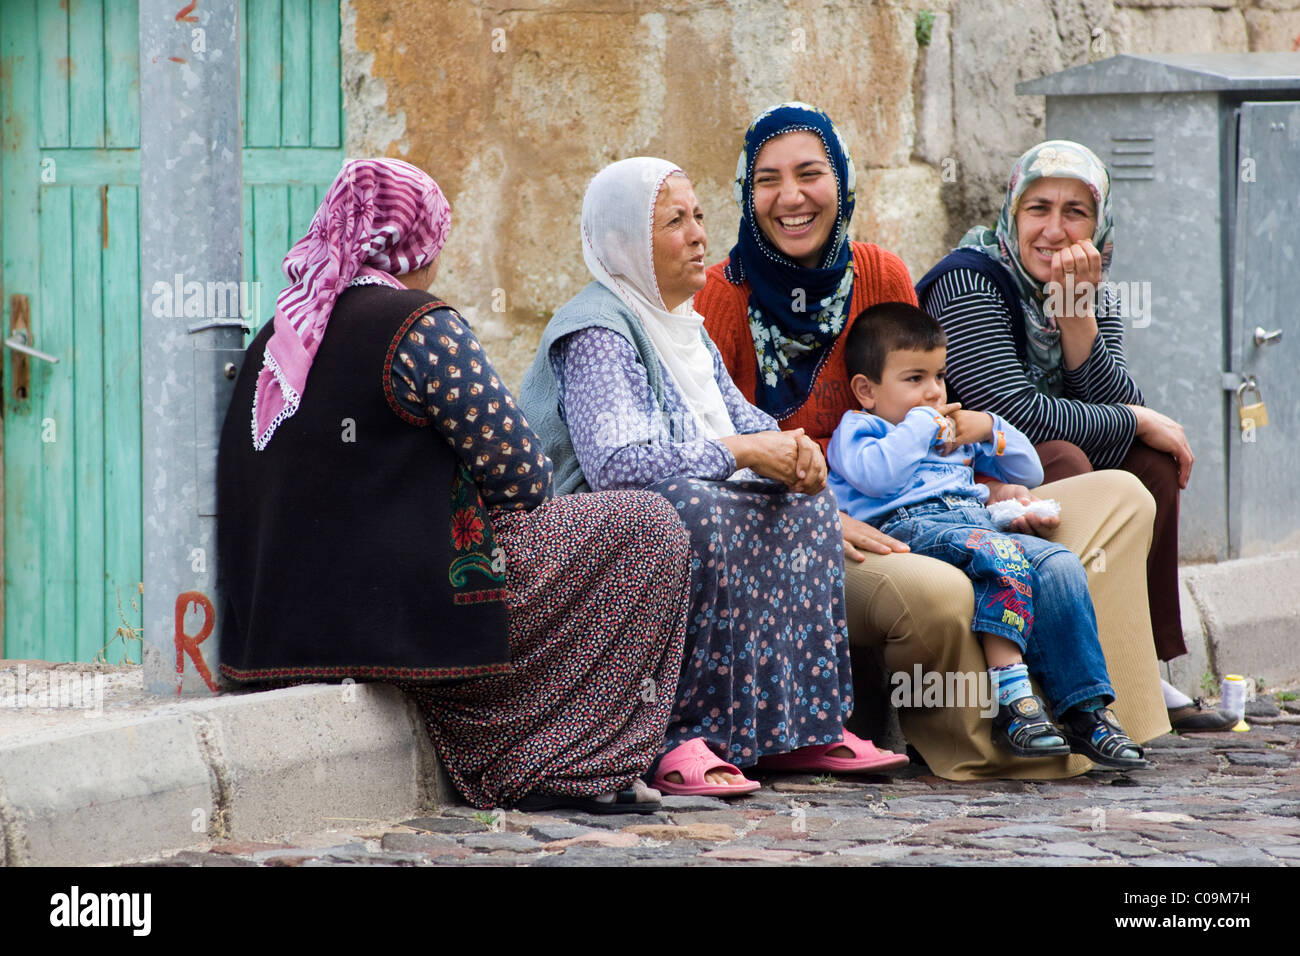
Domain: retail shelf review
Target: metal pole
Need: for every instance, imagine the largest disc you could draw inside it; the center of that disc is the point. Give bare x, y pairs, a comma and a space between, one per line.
191, 236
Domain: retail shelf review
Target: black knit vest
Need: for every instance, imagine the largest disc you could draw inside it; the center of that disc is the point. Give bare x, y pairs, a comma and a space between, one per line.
335, 542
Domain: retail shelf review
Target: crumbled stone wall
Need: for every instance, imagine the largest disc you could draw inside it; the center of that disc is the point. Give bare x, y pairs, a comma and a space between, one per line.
513, 107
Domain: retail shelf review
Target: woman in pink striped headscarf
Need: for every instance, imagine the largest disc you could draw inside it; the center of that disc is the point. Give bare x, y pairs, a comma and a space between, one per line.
380, 219
542, 638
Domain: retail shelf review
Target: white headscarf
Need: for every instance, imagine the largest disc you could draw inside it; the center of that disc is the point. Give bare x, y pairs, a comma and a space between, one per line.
618, 247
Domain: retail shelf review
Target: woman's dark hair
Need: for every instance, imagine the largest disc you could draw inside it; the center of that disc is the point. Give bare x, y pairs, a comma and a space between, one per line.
889, 327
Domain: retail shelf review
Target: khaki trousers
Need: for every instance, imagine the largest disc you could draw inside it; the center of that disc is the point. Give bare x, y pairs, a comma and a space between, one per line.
905, 609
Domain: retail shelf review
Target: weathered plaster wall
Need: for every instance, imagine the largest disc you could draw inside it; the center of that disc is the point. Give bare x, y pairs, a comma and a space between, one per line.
513, 107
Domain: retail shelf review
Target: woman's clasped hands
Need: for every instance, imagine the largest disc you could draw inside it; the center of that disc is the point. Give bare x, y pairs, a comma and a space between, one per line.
790, 457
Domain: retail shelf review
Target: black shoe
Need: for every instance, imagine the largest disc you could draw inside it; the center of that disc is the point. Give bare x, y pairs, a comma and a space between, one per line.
1196, 718
1097, 735
1021, 722
625, 801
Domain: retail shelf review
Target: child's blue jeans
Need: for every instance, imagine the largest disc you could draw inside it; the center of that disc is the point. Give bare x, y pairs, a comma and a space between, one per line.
1028, 590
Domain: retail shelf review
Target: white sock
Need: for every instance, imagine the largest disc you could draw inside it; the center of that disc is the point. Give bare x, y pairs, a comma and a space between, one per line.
1174, 698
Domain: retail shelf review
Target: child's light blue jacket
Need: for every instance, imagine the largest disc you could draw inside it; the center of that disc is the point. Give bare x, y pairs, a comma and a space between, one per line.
876, 467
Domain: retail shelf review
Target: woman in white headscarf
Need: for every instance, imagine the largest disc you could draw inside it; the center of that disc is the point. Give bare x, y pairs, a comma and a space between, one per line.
628, 392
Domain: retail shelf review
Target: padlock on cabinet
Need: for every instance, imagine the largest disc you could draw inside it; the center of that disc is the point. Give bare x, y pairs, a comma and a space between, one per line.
1254, 415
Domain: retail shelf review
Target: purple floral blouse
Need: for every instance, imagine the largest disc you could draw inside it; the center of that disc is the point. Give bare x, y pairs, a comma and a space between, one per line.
622, 438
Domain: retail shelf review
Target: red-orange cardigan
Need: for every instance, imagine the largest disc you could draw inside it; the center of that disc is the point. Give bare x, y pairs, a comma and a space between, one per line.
878, 276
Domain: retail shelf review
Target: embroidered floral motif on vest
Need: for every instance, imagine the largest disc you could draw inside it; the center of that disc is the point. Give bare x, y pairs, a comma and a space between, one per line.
476, 549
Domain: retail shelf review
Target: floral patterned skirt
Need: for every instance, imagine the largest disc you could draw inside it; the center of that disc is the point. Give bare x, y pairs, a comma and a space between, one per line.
597, 598
767, 650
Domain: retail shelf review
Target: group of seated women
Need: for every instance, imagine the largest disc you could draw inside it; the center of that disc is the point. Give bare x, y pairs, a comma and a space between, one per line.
634, 579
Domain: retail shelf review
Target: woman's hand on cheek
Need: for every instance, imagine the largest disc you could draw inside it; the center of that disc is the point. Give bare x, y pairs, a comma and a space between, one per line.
861, 539
1070, 303
1083, 262
1076, 273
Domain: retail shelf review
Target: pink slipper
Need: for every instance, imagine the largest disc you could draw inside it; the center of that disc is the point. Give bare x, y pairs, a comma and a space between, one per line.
867, 758
693, 760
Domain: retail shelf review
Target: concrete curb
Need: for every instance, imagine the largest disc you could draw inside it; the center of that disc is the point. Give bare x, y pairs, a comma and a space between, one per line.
1240, 617
257, 766
241, 766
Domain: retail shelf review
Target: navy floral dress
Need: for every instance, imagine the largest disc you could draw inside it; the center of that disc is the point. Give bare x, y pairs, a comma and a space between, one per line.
766, 669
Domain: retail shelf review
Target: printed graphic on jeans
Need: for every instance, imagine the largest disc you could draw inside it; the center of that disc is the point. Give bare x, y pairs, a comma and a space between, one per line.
1014, 573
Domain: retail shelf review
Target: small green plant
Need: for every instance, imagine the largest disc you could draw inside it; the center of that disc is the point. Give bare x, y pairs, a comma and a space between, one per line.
1284, 695
924, 27
126, 634
1209, 687
485, 817
825, 780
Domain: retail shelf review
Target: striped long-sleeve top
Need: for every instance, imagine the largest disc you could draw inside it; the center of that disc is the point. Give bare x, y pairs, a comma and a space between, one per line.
984, 369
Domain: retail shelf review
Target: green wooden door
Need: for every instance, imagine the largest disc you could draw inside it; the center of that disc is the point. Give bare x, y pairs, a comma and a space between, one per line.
71, 254
69, 220
292, 126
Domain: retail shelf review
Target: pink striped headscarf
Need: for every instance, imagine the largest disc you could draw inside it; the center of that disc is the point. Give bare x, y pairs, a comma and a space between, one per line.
380, 218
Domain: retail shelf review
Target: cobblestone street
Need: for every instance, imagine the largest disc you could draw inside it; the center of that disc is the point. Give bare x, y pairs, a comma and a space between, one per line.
1212, 799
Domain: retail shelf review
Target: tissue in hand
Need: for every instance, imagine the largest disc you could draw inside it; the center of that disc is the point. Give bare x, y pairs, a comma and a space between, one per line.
1005, 512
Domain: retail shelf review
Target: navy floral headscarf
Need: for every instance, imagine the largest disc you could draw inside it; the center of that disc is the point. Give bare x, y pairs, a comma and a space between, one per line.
793, 333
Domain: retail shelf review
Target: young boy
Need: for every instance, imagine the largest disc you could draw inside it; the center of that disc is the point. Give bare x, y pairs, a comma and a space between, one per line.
905, 465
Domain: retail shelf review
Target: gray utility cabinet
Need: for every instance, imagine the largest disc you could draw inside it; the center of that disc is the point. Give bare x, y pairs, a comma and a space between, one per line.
1204, 155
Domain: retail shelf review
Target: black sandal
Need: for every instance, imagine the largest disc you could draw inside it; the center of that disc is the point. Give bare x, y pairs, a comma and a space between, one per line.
1097, 735
1021, 722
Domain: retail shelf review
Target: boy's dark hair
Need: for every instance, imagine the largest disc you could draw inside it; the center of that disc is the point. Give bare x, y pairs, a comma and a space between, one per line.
888, 327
